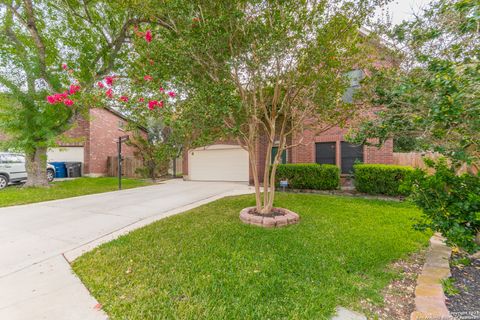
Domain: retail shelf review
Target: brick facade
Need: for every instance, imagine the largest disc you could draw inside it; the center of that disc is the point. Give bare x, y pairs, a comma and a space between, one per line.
305, 151
98, 136
77, 135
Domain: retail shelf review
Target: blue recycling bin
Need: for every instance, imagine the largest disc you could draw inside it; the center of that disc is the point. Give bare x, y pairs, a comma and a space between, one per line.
60, 169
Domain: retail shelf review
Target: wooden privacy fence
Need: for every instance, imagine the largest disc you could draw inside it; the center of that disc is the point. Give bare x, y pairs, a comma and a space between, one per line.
129, 167
415, 159
412, 159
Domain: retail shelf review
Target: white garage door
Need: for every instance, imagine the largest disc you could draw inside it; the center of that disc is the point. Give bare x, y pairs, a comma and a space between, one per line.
73, 154
218, 163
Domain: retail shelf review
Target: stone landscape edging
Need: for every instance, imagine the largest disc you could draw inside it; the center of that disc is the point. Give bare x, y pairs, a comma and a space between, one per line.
287, 217
429, 294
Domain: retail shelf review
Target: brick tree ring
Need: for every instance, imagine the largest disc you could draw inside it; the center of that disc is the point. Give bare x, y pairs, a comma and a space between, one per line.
280, 218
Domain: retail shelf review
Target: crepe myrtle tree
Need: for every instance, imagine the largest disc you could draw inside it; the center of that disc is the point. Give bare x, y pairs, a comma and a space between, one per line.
48, 48
149, 105
255, 69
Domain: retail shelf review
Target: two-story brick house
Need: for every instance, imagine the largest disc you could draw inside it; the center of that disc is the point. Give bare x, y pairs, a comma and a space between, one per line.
92, 141
227, 161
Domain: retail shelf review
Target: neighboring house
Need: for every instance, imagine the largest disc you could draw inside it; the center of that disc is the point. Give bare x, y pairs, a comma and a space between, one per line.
92, 141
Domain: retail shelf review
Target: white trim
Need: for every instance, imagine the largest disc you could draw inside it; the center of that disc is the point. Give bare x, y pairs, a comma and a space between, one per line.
216, 147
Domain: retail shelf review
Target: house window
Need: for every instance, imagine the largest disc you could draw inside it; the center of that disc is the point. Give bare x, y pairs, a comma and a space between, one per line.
355, 77
351, 154
325, 152
283, 159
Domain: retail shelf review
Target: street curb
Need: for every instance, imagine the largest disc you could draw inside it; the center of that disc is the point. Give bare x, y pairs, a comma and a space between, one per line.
429, 295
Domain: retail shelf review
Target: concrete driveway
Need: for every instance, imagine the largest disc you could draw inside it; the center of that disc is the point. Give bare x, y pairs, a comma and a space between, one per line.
38, 241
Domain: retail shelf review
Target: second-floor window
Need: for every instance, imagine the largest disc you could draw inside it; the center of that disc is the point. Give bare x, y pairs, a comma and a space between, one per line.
355, 77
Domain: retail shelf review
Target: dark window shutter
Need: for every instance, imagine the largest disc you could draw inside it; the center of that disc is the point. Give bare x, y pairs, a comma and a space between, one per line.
351, 154
325, 152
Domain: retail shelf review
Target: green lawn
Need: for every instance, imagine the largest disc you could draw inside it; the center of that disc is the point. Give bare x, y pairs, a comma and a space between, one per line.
206, 264
15, 195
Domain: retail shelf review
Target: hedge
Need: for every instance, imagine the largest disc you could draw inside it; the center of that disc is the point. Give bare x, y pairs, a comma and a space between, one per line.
380, 178
309, 176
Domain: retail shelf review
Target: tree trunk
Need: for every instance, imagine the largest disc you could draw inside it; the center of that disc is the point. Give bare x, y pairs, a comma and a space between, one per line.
36, 166
152, 170
256, 183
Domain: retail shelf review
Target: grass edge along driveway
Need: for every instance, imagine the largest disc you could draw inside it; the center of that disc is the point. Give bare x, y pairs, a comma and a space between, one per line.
16, 195
206, 264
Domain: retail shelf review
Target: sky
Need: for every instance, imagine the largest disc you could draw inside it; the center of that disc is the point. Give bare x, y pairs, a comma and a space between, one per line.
403, 9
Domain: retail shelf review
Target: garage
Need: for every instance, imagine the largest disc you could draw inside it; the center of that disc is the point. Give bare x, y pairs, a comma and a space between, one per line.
66, 154
218, 163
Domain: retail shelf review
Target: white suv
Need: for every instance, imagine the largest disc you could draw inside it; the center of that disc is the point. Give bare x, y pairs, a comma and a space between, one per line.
12, 169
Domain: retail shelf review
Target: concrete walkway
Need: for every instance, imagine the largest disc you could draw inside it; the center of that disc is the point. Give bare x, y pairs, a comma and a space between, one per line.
37, 242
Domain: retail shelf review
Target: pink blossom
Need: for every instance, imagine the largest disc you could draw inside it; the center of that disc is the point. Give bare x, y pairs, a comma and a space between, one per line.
64, 66
58, 97
148, 36
100, 84
68, 102
148, 78
161, 89
152, 104
124, 98
160, 104
141, 99
51, 99
109, 93
109, 80
171, 94
55, 98
74, 89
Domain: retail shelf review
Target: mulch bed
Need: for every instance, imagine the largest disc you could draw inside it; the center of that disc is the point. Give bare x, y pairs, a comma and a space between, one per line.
466, 279
399, 295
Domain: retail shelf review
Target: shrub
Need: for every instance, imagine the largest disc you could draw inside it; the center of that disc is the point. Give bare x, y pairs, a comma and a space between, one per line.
381, 178
450, 203
309, 176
